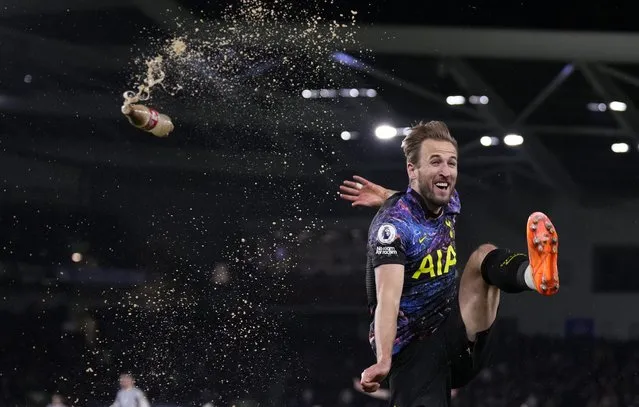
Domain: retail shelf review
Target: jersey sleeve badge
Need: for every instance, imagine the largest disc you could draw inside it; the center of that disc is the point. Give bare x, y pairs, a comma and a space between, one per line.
386, 234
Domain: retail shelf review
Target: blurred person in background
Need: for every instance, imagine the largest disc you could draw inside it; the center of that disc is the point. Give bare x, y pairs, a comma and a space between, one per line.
430, 331
57, 401
129, 395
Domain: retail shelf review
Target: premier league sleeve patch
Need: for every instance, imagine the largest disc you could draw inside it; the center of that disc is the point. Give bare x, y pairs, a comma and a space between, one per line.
386, 246
386, 233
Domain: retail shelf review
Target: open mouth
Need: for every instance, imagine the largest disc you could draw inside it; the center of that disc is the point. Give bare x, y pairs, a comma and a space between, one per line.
442, 185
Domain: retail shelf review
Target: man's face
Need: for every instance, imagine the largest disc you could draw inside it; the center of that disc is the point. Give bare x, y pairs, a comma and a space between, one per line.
436, 172
126, 382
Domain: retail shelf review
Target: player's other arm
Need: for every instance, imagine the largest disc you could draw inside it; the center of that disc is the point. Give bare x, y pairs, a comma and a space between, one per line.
362, 192
387, 252
389, 279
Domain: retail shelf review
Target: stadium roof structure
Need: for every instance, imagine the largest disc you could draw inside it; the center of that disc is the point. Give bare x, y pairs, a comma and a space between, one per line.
570, 94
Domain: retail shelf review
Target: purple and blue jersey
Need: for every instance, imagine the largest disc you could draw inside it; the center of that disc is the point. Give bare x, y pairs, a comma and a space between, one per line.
405, 232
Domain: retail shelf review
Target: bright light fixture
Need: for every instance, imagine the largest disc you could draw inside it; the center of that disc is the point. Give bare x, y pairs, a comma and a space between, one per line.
385, 132
513, 140
620, 148
455, 100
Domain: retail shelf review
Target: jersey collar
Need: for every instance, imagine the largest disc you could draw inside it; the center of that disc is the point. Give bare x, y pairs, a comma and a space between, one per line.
451, 207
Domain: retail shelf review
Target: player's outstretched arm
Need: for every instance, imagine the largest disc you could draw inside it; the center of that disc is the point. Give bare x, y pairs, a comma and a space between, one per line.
389, 280
362, 192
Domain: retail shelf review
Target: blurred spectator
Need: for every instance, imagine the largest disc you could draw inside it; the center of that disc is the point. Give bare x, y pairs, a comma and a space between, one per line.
129, 395
56, 401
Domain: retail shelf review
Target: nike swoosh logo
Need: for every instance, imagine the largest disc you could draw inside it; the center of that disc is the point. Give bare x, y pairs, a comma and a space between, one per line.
422, 239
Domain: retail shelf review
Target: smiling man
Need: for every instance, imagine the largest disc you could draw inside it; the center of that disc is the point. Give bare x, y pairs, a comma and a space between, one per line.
430, 330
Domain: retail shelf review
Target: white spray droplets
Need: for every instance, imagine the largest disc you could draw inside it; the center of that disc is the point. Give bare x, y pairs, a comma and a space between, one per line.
207, 302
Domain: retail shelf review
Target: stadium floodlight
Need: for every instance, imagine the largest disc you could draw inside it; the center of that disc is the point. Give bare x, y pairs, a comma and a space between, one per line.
513, 140
617, 106
455, 100
385, 132
478, 100
488, 141
620, 148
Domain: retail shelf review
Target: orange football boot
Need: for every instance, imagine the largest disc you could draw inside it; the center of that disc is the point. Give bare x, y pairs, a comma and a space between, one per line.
543, 247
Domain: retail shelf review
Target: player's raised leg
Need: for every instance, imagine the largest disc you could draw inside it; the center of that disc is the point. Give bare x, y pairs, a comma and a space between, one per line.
478, 300
490, 270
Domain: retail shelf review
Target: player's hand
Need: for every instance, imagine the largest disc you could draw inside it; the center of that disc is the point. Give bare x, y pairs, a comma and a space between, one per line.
362, 192
381, 394
374, 375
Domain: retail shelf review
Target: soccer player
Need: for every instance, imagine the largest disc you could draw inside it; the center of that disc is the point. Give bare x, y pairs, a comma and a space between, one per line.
129, 395
430, 331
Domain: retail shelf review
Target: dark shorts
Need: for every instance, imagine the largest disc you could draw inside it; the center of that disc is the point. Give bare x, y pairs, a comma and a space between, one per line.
424, 372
